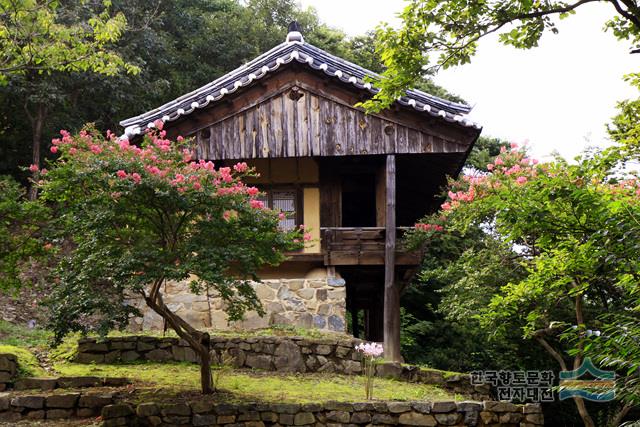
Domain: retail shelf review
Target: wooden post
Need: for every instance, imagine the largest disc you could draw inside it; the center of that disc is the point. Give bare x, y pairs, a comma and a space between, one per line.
391, 291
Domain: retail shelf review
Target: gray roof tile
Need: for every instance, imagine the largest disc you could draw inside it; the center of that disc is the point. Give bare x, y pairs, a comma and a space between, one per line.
285, 53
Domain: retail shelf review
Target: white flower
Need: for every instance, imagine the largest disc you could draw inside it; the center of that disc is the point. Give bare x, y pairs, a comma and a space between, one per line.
370, 349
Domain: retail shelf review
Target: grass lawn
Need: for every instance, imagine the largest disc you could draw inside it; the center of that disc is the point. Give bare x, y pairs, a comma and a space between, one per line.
22, 336
167, 380
28, 365
273, 331
243, 386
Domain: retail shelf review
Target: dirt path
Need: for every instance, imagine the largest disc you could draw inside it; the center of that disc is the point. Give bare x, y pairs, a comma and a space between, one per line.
43, 359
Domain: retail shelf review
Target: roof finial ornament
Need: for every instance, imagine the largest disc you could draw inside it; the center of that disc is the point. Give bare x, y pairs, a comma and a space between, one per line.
294, 34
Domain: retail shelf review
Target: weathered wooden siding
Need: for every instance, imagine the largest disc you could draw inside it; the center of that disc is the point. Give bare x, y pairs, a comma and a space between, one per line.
300, 123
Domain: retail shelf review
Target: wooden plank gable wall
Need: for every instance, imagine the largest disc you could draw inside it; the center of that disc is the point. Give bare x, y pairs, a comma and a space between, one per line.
298, 120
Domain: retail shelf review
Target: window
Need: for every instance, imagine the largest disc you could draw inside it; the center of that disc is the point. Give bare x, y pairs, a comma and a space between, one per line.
285, 201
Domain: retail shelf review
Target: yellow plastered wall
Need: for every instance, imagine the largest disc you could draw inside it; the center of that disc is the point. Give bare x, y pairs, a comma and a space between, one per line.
311, 203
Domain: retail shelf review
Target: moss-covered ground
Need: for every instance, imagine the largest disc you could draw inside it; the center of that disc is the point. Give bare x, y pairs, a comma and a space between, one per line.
155, 381
183, 378
28, 364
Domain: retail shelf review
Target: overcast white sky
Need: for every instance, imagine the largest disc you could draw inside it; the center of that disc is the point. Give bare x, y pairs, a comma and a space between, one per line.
558, 96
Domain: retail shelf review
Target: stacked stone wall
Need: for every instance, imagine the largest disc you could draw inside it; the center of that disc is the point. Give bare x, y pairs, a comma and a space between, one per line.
307, 303
282, 354
8, 370
204, 413
15, 408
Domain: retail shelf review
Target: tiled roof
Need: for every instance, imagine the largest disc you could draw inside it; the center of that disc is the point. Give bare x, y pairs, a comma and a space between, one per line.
293, 49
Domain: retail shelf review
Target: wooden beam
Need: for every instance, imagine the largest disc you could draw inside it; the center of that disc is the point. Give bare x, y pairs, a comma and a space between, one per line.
391, 325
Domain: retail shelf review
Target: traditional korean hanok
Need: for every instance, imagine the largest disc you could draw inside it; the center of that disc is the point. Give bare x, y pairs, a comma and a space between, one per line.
356, 181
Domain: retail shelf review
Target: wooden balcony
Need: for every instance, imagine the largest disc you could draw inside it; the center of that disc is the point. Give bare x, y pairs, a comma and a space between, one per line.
362, 246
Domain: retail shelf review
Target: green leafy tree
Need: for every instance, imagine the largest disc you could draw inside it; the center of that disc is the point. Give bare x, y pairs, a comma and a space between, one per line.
21, 228
439, 34
142, 216
625, 126
573, 229
484, 152
36, 43
616, 345
33, 40
457, 279
433, 306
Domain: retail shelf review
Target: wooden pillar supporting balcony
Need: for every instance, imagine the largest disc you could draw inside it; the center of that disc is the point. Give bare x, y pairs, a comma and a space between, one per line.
391, 326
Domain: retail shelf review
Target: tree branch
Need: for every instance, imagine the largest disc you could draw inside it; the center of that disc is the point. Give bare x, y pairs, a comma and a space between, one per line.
552, 351
625, 13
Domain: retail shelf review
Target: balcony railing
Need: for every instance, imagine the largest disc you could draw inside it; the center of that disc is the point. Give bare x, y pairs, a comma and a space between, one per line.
362, 246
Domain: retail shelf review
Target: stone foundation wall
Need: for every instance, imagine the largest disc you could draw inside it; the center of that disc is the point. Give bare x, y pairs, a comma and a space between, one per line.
309, 303
52, 407
205, 413
8, 370
283, 354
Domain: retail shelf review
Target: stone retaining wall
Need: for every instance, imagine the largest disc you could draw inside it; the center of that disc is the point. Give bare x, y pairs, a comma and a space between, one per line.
56, 406
204, 413
307, 303
47, 384
285, 354
282, 354
8, 370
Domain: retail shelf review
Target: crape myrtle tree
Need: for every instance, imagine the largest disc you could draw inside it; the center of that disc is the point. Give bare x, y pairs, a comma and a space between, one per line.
140, 216
573, 231
432, 316
439, 34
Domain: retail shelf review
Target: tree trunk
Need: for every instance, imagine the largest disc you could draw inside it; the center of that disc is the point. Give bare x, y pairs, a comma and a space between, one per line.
582, 409
619, 417
37, 122
198, 341
206, 380
584, 414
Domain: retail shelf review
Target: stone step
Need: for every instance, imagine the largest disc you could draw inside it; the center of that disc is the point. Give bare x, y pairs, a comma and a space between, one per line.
14, 408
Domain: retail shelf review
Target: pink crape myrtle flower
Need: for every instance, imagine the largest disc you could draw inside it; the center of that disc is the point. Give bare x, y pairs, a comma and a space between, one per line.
428, 227
256, 204
241, 167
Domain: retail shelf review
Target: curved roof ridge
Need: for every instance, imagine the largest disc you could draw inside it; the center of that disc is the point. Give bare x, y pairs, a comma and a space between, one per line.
270, 61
